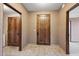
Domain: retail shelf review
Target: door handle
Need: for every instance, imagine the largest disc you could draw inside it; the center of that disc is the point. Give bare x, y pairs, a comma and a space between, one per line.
37, 33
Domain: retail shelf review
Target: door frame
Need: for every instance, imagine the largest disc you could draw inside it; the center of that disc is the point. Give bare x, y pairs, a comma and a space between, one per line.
49, 29
70, 30
67, 27
20, 43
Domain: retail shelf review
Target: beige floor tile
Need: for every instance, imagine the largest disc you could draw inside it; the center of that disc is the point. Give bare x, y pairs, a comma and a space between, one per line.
34, 50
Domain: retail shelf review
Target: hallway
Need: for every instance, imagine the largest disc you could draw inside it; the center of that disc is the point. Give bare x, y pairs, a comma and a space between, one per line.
43, 24
35, 50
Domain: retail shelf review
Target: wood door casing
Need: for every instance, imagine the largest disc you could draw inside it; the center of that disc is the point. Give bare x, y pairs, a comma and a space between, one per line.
14, 31
43, 29
67, 26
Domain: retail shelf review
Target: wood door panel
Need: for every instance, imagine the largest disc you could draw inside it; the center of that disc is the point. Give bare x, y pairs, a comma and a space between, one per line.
43, 29
13, 31
18, 31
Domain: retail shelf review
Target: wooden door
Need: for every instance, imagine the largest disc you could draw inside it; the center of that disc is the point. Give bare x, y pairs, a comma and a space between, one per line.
43, 29
14, 31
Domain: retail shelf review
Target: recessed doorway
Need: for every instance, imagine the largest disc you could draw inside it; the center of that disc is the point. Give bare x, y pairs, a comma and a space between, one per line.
72, 31
12, 27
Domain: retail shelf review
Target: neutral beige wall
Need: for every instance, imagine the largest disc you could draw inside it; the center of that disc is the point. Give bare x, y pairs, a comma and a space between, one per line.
62, 25
4, 29
29, 25
25, 19
32, 26
1, 26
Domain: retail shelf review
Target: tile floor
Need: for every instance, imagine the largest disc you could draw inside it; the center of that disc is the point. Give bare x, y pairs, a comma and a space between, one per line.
74, 48
34, 50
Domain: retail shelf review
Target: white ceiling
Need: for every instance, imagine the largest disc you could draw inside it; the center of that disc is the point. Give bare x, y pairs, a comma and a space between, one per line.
42, 6
9, 11
74, 13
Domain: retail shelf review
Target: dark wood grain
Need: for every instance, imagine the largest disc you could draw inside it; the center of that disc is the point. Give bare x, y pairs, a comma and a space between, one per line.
14, 32
43, 29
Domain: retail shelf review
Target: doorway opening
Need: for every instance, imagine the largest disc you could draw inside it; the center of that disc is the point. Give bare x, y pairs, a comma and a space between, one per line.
72, 30
11, 27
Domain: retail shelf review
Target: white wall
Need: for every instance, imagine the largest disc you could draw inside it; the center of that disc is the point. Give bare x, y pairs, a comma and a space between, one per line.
75, 29
74, 13
33, 23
